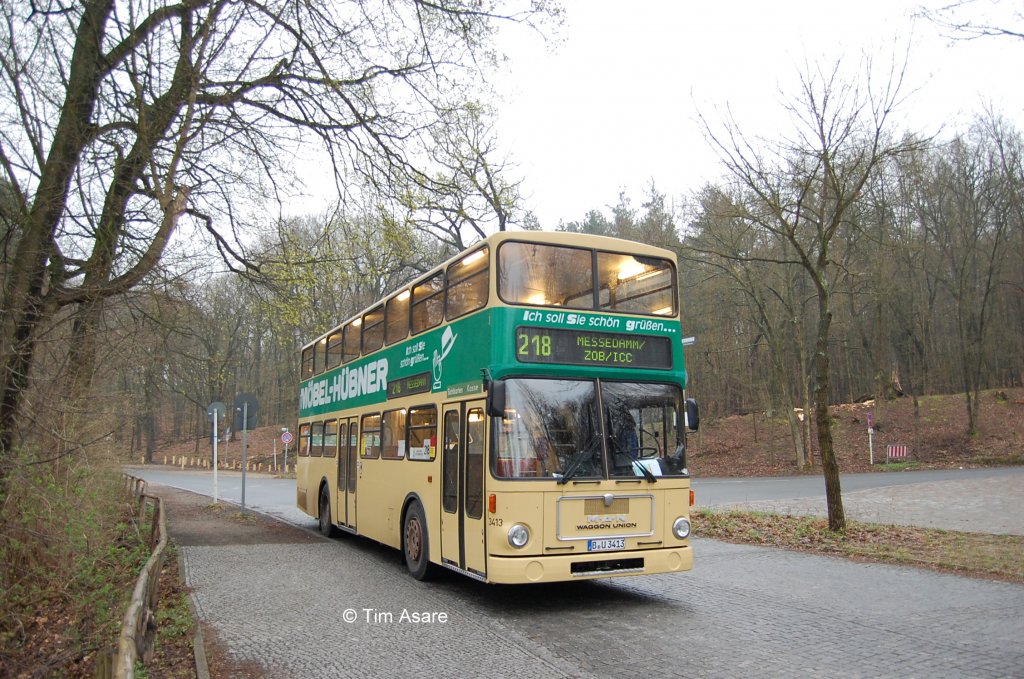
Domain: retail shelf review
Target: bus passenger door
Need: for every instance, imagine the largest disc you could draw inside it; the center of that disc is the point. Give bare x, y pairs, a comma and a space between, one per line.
347, 453
462, 488
451, 494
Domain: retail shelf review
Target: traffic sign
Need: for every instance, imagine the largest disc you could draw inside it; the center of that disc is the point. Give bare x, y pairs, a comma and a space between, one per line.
248, 404
286, 437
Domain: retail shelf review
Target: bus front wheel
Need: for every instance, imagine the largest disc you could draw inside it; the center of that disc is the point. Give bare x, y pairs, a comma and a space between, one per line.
326, 525
415, 545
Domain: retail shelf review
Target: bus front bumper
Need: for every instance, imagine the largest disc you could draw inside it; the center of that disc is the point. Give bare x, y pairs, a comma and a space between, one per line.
585, 566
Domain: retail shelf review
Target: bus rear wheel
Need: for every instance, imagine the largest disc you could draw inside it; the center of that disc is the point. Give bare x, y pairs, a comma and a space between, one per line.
415, 546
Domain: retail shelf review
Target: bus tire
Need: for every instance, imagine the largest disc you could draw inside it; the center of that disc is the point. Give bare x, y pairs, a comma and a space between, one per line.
327, 528
415, 545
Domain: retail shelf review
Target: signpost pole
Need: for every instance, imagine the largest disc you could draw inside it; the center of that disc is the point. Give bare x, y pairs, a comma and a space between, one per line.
216, 435
245, 431
216, 411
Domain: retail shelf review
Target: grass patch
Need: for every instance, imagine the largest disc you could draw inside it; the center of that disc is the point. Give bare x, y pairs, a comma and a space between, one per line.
998, 461
897, 466
973, 554
173, 652
243, 517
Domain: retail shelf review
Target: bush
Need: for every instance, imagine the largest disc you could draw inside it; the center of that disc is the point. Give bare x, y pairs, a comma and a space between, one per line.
69, 551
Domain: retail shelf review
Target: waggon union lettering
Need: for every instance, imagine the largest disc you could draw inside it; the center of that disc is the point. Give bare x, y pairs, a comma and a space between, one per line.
603, 526
351, 382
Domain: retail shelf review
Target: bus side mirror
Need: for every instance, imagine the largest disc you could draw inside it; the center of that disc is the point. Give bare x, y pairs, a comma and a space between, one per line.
692, 415
496, 399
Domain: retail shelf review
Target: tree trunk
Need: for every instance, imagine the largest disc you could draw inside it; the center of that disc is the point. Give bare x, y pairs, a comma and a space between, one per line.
823, 419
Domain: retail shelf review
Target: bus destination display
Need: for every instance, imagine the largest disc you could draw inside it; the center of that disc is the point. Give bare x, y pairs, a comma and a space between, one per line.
578, 347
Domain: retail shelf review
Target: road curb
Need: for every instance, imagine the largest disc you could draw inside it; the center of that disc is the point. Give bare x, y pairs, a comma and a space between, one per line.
198, 643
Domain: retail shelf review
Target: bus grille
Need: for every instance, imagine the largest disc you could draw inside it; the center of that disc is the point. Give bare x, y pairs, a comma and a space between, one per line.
596, 505
633, 565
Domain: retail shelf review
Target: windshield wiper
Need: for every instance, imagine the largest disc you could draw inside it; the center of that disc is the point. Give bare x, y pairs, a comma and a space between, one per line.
646, 472
573, 467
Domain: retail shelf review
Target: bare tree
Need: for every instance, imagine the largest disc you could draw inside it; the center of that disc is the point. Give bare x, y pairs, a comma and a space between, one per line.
968, 208
724, 242
469, 194
801, 195
964, 21
123, 120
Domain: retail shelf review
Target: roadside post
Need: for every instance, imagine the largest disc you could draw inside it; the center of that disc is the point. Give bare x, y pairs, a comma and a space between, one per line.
216, 411
286, 438
871, 433
246, 406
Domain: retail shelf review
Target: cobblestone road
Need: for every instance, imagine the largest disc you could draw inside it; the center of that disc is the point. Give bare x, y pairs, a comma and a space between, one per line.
743, 611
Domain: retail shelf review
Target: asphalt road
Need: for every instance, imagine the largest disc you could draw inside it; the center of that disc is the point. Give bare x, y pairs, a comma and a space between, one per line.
337, 608
974, 500
723, 491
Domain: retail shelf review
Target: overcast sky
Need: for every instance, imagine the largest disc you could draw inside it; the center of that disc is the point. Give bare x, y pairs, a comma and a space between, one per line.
614, 105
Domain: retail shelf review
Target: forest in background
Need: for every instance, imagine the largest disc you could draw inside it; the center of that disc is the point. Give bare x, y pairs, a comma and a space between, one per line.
844, 258
929, 299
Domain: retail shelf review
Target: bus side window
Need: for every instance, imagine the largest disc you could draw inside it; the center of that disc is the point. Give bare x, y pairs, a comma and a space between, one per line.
397, 315
304, 440
475, 436
428, 303
320, 356
467, 284
392, 445
350, 341
422, 435
307, 362
370, 442
334, 349
330, 438
373, 329
316, 439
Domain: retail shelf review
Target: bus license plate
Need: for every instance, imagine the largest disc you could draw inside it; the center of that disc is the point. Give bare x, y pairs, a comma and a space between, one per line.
606, 544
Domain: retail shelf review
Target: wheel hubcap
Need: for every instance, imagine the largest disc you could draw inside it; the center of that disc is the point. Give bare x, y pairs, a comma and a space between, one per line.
413, 541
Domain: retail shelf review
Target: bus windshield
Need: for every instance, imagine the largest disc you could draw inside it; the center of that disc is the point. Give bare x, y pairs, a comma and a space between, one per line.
587, 429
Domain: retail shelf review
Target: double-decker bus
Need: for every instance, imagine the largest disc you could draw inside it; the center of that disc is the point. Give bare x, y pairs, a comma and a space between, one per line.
516, 414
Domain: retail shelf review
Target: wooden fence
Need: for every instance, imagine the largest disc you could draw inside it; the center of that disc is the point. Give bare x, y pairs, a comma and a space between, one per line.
138, 629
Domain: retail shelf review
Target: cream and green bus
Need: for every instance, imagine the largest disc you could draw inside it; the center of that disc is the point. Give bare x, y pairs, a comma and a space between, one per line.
516, 415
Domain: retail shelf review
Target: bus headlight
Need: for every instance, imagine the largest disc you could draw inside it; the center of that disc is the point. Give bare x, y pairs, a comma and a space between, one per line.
518, 535
681, 528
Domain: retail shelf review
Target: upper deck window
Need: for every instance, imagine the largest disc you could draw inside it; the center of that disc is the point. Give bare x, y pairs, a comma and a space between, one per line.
428, 303
351, 342
397, 318
373, 329
559, 276
320, 358
307, 362
467, 284
546, 275
636, 284
334, 349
